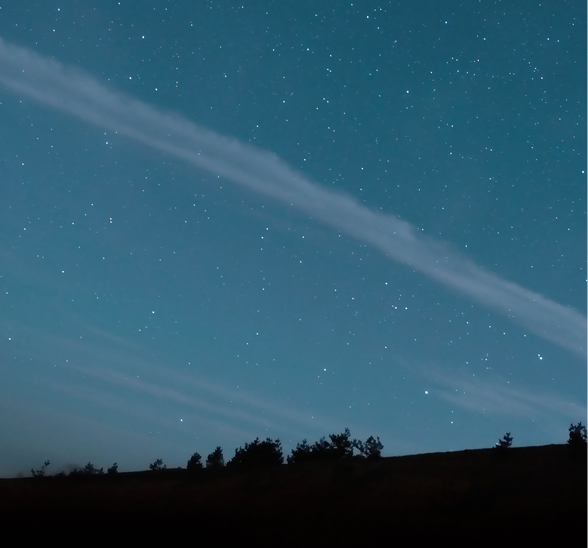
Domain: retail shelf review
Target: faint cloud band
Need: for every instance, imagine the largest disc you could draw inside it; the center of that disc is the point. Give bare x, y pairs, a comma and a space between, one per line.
71, 90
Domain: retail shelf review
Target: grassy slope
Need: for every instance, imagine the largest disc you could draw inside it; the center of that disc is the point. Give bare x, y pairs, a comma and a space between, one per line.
478, 497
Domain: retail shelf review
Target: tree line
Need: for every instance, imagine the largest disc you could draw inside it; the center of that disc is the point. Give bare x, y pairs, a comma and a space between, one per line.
262, 454
259, 454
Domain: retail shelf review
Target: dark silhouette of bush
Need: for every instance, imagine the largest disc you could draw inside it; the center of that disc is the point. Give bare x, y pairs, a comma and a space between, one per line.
321, 450
577, 435
505, 442
215, 460
340, 446
157, 466
113, 469
577, 440
257, 455
41, 472
194, 464
302, 453
371, 449
88, 470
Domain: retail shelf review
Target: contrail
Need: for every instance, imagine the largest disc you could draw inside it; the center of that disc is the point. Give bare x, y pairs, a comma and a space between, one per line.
77, 93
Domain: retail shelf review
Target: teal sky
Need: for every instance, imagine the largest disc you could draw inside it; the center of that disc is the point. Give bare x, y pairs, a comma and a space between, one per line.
151, 308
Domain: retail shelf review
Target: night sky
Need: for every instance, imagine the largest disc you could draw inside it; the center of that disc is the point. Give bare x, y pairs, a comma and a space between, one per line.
385, 230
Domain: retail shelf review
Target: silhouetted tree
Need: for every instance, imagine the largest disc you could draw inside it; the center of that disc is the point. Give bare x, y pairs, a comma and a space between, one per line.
340, 446
577, 435
505, 442
302, 453
257, 454
113, 469
321, 450
371, 449
41, 472
90, 470
215, 460
194, 464
157, 466
577, 441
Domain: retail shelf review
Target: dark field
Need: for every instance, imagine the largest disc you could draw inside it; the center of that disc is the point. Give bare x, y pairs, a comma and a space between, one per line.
522, 496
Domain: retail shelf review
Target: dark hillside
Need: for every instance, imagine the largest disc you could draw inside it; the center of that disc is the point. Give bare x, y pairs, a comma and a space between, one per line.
479, 498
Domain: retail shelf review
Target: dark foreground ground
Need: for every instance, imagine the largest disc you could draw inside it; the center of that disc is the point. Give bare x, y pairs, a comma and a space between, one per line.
525, 496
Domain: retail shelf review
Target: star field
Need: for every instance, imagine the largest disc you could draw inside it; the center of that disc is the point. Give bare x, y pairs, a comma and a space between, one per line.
150, 309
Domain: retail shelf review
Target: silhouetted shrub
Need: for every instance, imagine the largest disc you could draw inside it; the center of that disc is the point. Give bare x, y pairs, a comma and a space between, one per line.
41, 472
157, 466
113, 469
577, 441
194, 464
215, 460
302, 453
577, 435
258, 454
371, 449
505, 442
321, 450
90, 470
340, 446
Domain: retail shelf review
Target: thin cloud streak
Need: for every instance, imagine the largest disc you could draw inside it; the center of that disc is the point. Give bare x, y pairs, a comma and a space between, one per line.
491, 394
72, 91
214, 405
494, 398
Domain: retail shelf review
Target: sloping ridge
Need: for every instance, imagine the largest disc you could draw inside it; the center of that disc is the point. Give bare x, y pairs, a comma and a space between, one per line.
475, 497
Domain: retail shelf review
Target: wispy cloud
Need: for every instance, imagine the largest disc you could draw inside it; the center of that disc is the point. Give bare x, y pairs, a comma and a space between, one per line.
497, 396
109, 371
79, 94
